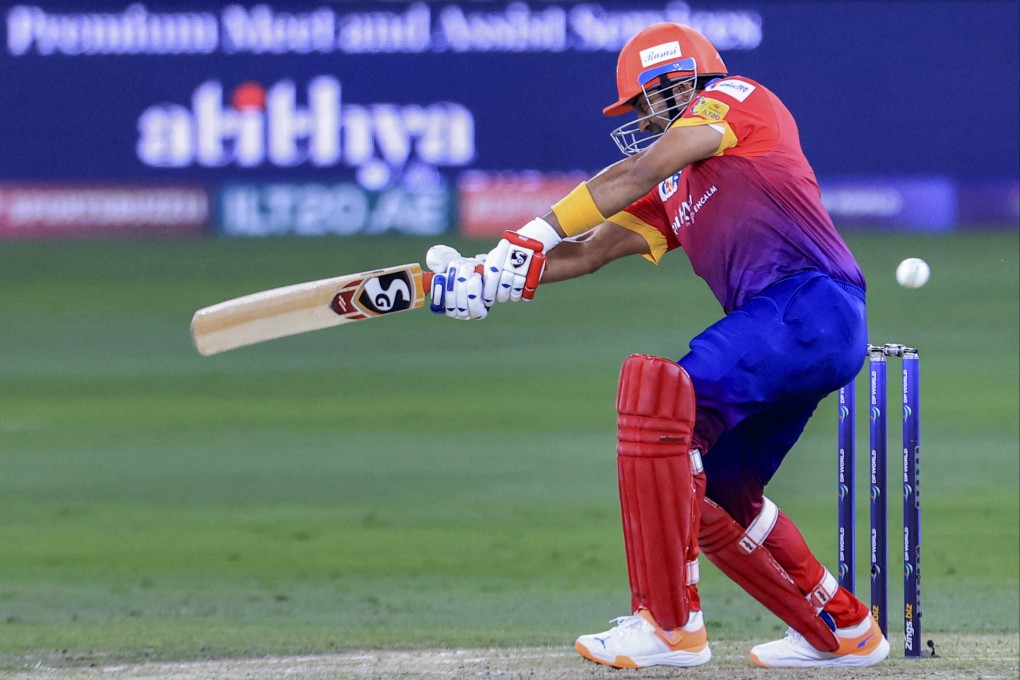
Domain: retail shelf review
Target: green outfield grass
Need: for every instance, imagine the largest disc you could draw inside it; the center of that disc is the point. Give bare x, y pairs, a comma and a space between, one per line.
415, 481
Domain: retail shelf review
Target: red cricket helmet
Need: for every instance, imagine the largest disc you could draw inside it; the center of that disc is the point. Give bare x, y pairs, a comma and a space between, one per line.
669, 49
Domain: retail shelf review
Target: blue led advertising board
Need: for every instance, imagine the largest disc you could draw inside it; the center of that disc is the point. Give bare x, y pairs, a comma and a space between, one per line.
226, 95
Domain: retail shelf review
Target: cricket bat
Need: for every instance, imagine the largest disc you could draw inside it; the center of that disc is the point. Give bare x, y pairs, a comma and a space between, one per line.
309, 306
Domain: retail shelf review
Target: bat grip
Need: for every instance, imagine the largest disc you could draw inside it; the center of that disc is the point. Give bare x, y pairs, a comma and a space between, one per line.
426, 278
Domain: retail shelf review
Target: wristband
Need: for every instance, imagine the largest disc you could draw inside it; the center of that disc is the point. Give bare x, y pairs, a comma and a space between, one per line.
541, 231
577, 212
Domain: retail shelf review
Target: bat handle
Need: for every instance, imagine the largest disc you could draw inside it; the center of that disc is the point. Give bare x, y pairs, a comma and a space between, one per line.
426, 278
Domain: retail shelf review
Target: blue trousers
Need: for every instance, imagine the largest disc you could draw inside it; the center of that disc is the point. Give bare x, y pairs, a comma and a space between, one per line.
760, 372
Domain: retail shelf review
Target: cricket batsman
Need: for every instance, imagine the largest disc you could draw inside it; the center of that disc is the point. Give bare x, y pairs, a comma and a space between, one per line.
713, 165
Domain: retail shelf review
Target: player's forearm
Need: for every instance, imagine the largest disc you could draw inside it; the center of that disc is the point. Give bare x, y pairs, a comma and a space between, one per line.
569, 260
588, 253
622, 184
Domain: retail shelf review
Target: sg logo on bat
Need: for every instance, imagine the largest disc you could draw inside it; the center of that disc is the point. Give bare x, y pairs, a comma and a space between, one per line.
376, 295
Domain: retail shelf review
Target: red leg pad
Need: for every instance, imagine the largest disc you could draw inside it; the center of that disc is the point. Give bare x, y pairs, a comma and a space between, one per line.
758, 573
657, 492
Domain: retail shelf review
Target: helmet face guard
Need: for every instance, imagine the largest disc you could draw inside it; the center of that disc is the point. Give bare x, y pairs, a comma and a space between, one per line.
629, 137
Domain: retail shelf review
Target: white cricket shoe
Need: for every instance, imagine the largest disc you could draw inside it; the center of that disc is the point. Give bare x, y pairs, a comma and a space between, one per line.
859, 645
638, 641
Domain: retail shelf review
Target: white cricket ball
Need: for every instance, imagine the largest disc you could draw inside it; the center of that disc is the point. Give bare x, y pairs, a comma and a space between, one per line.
913, 272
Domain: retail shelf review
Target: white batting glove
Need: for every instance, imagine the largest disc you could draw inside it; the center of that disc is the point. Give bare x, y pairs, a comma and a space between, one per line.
457, 285
513, 269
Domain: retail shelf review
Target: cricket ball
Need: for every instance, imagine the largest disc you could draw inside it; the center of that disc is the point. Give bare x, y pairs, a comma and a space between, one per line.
913, 272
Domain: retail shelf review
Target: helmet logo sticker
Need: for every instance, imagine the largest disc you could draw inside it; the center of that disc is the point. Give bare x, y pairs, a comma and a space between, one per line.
663, 52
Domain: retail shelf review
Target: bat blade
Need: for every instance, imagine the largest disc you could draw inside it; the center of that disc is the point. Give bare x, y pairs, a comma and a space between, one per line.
305, 307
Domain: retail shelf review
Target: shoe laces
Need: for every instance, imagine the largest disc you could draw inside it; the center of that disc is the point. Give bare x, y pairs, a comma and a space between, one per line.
628, 625
794, 636
798, 641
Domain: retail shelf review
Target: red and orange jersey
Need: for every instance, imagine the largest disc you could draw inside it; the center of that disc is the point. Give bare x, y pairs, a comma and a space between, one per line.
752, 213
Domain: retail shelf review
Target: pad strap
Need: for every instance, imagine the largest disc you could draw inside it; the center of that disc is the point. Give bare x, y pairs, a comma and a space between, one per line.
824, 591
693, 572
697, 466
761, 527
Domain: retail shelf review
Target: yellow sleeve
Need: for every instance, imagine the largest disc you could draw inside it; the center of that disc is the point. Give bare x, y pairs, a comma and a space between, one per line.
711, 112
657, 245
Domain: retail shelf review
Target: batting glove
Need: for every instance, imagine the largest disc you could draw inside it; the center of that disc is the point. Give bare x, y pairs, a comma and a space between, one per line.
513, 269
457, 284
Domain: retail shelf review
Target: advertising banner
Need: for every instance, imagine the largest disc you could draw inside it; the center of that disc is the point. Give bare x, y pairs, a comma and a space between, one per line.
341, 209
989, 203
912, 203
490, 203
58, 211
408, 96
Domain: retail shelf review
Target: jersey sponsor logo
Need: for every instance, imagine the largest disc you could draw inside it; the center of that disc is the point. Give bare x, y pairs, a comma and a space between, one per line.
737, 89
669, 186
710, 109
686, 210
663, 52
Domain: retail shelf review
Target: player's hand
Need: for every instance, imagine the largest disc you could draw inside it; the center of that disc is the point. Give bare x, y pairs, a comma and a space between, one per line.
513, 269
457, 285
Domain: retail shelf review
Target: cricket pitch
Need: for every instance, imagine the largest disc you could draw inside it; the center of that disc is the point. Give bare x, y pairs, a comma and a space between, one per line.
991, 657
